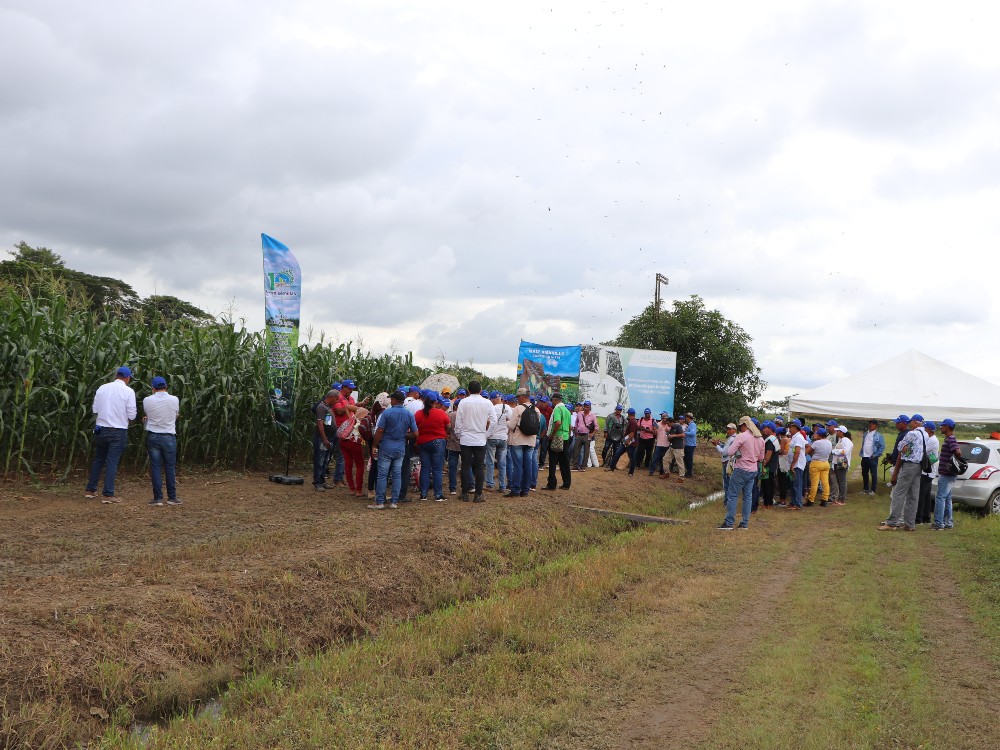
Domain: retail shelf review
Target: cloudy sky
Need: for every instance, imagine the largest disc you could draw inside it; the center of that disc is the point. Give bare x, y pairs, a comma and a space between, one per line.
455, 176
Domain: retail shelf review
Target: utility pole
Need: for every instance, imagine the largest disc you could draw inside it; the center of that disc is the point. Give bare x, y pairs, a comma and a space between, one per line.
657, 299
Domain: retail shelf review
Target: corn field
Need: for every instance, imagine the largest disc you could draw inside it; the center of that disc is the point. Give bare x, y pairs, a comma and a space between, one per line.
54, 357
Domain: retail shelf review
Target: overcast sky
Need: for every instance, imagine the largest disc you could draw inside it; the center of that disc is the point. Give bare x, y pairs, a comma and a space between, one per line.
454, 176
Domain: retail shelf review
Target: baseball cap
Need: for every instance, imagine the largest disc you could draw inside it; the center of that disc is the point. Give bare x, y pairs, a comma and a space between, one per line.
557, 395
414, 389
768, 423
841, 428
731, 426
647, 410
349, 384
797, 423
821, 431
522, 391
781, 431
930, 426
902, 418
664, 414
618, 408
159, 382
917, 418
124, 372
446, 391
631, 411
587, 403
832, 423
445, 403
397, 396
494, 394
947, 422
462, 392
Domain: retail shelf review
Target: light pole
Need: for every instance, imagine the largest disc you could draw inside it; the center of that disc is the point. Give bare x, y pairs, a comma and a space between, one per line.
657, 299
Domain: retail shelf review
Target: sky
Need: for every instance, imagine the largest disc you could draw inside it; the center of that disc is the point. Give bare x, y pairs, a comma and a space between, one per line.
454, 177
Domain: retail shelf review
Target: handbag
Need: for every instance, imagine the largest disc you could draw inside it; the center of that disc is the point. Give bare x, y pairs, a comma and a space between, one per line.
925, 462
556, 443
346, 428
959, 464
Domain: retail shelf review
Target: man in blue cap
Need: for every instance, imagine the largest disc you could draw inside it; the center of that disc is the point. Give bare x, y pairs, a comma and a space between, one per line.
496, 443
906, 478
947, 474
115, 407
160, 412
614, 433
690, 443
796, 463
584, 430
627, 444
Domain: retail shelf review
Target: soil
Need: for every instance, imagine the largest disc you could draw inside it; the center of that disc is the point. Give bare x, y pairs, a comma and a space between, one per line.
99, 603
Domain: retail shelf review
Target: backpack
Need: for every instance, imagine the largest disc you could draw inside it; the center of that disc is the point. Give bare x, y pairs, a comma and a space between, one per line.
529, 423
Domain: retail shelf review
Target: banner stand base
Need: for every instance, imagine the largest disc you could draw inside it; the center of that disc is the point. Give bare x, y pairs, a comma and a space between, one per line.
285, 479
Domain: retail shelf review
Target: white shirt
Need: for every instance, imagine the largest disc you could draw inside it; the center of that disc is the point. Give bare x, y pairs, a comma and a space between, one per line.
868, 444
114, 404
474, 419
933, 446
798, 441
413, 405
499, 429
161, 410
845, 447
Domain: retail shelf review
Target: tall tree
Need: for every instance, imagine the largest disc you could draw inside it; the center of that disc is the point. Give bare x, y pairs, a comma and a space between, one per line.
717, 373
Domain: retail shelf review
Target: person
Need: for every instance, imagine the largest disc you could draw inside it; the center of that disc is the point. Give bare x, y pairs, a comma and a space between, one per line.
646, 436
522, 434
346, 414
539, 442
413, 403
947, 474
906, 479
662, 446
324, 433
433, 427
545, 407
746, 450
366, 429
614, 433
925, 502
496, 444
454, 449
115, 406
690, 443
902, 427
585, 428
558, 430
473, 423
627, 444
335, 455
722, 447
769, 469
819, 468
797, 463
160, 412
784, 466
840, 467
395, 426
677, 447
872, 448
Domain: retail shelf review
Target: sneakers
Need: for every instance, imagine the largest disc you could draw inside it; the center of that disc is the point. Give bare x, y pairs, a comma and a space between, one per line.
808, 504
319, 487
454, 492
423, 497
465, 497
513, 494
393, 506
376, 506
111, 500
723, 527
887, 527
89, 495
440, 499
479, 499
175, 501
743, 527
822, 503
156, 503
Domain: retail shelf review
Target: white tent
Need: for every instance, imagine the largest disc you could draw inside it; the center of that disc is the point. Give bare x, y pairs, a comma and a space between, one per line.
909, 382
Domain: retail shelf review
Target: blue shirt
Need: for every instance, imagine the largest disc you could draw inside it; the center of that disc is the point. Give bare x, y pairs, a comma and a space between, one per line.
691, 435
394, 423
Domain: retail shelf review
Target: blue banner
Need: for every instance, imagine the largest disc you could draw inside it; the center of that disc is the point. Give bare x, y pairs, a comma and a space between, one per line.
650, 377
543, 370
282, 301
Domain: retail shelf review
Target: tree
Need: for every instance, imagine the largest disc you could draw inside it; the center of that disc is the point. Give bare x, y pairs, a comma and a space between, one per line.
164, 308
717, 373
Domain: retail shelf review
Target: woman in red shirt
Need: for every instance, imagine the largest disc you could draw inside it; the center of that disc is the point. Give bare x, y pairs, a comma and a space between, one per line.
433, 427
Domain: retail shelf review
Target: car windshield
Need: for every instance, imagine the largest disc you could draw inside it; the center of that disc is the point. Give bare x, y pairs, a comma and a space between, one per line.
975, 453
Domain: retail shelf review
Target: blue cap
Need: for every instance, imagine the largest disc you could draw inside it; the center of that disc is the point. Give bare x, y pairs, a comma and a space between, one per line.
631, 411
618, 408
768, 423
414, 389
124, 372
335, 386
832, 423
821, 431
531, 399
797, 423
947, 422
159, 383
756, 422
461, 392
917, 418
446, 403
647, 410
930, 426
779, 418
587, 403
902, 418
494, 394
349, 384
781, 431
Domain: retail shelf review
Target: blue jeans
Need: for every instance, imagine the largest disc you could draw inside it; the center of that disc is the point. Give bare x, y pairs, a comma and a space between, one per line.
943, 518
725, 480
740, 485
432, 466
321, 459
623, 449
497, 447
162, 448
408, 454
337, 455
798, 475
109, 445
389, 460
657, 461
534, 464
520, 482
454, 458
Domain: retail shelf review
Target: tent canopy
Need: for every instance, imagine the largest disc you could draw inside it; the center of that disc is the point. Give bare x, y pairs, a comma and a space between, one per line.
909, 382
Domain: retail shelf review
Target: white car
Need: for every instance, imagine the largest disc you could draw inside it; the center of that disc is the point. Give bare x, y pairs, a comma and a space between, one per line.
979, 485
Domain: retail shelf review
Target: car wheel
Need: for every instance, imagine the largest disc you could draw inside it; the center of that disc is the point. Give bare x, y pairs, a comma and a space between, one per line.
992, 506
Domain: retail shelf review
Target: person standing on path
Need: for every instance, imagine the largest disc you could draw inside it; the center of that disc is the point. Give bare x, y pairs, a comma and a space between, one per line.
947, 474
840, 465
662, 447
690, 443
433, 426
906, 479
819, 468
496, 444
723, 447
646, 436
769, 471
585, 429
614, 433
395, 426
797, 462
559, 432
784, 466
925, 501
473, 423
115, 407
160, 412
627, 444
324, 434
872, 448
523, 426
746, 450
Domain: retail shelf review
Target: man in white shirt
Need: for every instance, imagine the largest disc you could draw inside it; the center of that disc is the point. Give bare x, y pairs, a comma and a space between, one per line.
925, 500
472, 423
797, 461
496, 443
160, 412
114, 405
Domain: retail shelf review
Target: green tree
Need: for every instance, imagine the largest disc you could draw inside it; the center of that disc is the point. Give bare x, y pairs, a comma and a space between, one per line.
164, 308
717, 373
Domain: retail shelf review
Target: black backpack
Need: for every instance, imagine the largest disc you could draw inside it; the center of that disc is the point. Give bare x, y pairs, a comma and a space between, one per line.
529, 424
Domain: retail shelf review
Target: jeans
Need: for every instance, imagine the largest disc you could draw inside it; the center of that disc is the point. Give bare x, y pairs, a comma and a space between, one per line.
520, 482
725, 481
643, 452
622, 449
389, 461
109, 445
740, 485
798, 477
689, 460
581, 451
432, 466
337, 456
560, 459
321, 459
869, 467
496, 448
533, 479
657, 461
943, 518
408, 455
162, 448
473, 457
454, 459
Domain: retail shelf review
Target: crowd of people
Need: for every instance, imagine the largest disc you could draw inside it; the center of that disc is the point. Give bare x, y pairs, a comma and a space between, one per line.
503, 441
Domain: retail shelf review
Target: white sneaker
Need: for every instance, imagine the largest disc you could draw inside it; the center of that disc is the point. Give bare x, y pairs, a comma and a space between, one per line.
394, 506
